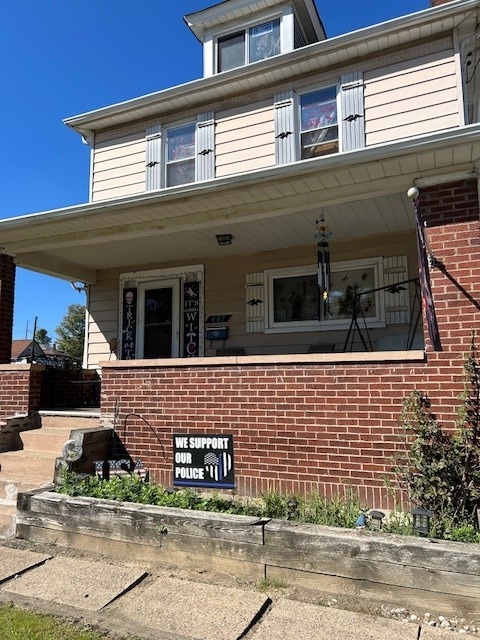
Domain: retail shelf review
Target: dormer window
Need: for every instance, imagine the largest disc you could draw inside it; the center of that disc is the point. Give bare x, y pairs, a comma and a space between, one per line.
248, 45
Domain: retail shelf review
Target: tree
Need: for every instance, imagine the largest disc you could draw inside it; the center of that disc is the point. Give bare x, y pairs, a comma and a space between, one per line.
42, 337
71, 331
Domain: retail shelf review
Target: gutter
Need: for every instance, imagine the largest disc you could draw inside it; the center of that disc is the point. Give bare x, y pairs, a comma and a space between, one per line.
447, 138
85, 123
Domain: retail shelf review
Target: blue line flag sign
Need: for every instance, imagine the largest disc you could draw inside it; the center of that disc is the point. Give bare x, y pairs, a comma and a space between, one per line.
203, 460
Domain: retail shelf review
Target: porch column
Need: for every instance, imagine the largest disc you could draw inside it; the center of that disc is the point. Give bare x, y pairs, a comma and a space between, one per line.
451, 212
7, 291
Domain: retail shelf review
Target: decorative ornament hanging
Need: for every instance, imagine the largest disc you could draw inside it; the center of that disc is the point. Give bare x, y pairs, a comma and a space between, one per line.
323, 234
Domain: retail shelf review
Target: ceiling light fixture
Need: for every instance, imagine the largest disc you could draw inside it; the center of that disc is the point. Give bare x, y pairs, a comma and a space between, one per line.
224, 239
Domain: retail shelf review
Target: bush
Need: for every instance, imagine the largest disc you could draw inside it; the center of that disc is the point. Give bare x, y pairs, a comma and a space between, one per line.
440, 470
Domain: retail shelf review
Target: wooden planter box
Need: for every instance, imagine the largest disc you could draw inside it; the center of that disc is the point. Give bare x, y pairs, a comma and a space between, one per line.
382, 569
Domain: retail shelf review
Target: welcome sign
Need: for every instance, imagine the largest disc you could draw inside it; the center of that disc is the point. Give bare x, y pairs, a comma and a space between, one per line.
204, 460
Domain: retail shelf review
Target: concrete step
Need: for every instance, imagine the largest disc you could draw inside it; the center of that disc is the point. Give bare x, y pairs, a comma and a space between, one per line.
19, 483
69, 421
38, 463
45, 440
33, 467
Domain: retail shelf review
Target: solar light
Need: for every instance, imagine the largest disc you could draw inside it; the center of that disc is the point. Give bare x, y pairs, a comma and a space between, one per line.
421, 521
292, 506
376, 518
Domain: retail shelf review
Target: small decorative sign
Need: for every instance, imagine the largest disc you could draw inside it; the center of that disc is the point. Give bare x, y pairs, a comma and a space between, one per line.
129, 324
203, 461
191, 323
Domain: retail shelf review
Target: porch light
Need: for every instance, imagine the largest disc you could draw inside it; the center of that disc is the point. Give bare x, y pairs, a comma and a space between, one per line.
323, 233
224, 239
421, 521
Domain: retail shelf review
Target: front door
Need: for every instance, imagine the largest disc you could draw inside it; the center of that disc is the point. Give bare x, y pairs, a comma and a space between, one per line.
159, 306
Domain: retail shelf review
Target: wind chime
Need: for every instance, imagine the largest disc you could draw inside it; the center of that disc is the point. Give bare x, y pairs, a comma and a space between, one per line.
323, 233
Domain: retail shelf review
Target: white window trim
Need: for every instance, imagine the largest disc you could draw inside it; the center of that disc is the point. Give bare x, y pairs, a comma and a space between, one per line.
183, 274
324, 325
242, 25
298, 120
171, 127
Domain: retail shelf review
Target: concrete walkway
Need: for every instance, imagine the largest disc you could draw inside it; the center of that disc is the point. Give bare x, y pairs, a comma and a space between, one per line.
157, 604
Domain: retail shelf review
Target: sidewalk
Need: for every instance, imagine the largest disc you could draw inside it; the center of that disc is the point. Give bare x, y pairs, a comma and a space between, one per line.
154, 604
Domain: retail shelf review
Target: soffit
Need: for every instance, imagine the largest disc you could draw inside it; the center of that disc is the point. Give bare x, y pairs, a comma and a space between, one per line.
317, 57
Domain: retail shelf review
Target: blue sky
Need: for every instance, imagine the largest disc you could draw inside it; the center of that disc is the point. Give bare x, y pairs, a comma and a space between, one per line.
60, 58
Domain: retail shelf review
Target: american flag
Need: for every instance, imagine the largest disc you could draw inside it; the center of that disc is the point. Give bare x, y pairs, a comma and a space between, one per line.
217, 466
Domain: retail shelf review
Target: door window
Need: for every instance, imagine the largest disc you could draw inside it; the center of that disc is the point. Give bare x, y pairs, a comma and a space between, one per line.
159, 326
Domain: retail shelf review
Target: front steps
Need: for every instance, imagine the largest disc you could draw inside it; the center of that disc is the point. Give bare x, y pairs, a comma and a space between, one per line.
33, 467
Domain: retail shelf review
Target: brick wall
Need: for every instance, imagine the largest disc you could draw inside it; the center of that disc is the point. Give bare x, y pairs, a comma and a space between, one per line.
7, 285
323, 426
19, 389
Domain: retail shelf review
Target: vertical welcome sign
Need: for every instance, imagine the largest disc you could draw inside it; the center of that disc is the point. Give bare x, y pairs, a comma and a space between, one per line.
204, 460
129, 322
191, 319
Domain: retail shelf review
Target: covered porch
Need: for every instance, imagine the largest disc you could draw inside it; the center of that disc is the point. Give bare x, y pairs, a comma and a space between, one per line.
249, 245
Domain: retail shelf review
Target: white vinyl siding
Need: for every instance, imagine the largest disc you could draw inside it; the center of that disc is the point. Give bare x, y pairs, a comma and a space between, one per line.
102, 321
411, 98
245, 139
118, 166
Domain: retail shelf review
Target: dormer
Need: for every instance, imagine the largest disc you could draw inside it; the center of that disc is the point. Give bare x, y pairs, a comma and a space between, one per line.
235, 33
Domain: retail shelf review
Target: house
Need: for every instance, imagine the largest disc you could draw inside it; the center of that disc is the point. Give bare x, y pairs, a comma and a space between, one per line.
254, 266
26, 351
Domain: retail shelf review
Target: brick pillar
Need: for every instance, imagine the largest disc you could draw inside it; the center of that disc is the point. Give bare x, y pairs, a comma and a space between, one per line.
7, 287
451, 212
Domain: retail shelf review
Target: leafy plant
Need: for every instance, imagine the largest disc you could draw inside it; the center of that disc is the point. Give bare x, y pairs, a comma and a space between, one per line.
440, 470
338, 511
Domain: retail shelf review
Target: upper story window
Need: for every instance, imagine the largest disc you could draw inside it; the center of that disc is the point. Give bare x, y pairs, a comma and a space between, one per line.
319, 123
180, 155
248, 45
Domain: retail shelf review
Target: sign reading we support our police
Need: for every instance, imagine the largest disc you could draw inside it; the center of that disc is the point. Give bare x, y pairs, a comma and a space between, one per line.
203, 461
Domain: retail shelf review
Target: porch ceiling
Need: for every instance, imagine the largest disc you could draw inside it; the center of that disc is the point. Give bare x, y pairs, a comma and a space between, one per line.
361, 194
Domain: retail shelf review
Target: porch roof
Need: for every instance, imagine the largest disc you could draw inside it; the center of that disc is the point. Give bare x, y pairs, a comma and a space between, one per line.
361, 193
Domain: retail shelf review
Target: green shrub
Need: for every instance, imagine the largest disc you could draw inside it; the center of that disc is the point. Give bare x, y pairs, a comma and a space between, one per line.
440, 470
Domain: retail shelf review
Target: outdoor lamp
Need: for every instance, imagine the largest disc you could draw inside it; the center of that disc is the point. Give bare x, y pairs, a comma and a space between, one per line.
421, 521
376, 518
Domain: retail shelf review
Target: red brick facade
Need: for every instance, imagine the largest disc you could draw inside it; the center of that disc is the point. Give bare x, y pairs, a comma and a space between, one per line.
19, 389
7, 286
304, 425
